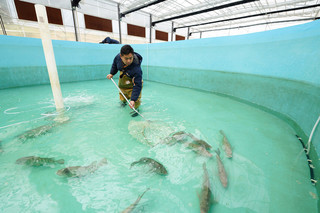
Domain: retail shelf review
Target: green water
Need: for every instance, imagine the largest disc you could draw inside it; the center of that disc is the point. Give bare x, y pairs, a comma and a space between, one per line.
268, 171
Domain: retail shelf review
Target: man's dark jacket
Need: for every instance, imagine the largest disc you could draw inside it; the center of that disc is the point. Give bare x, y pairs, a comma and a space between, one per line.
133, 71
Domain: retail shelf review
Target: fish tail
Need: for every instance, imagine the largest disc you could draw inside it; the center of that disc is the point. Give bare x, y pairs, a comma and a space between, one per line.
221, 132
60, 161
145, 191
134, 163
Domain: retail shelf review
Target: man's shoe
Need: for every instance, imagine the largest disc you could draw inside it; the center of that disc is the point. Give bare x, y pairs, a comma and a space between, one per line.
134, 113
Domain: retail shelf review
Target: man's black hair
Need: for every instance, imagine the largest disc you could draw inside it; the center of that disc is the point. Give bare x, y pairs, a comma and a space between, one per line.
126, 49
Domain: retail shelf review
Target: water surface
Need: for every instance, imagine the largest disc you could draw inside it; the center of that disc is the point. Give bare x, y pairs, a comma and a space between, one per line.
268, 171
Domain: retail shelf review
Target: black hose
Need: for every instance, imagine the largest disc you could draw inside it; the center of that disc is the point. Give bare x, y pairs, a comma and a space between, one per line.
313, 181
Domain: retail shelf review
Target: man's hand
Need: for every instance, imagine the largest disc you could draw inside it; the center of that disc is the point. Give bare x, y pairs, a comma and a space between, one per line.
131, 104
109, 76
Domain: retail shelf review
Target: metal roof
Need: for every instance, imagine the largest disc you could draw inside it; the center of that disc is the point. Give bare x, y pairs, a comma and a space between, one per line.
226, 14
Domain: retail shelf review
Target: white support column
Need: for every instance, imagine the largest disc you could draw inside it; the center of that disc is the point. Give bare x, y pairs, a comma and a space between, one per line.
49, 55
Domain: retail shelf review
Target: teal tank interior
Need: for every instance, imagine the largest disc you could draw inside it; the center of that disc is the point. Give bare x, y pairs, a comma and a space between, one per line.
277, 71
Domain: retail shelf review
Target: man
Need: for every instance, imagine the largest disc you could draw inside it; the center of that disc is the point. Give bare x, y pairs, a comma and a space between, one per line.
109, 40
128, 63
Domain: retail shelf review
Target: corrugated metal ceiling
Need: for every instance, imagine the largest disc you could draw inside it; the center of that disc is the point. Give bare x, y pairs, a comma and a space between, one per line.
266, 8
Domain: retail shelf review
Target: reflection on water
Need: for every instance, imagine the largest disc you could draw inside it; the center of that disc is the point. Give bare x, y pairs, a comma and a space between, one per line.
261, 177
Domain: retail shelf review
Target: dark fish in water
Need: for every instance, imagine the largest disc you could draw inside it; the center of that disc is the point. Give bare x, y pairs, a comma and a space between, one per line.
38, 161
79, 171
155, 165
198, 149
132, 206
176, 137
222, 172
200, 142
33, 133
205, 196
180, 136
41, 130
226, 145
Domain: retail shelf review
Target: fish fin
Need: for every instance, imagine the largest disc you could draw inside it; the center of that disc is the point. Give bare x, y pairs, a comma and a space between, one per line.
217, 151
61, 161
132, 164
94, 164
103, 161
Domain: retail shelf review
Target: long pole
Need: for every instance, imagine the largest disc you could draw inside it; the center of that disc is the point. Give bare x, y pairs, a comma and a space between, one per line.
127, 99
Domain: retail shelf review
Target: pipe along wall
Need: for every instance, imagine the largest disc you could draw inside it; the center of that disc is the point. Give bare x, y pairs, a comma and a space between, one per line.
277, 70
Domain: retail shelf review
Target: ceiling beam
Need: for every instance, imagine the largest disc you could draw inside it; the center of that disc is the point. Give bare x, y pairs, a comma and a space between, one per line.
140, 7
281, 16
204, 10
251, 25
255, 9
194, 7
250, 16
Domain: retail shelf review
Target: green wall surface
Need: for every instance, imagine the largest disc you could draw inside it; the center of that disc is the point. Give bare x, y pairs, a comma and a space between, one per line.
277, 70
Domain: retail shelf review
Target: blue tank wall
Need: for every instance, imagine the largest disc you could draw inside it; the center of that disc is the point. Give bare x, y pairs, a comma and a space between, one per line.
278, 70
22, 61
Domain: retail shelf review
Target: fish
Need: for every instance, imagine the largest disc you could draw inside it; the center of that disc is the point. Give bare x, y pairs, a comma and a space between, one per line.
222, 172
154, 165
80, 171
38, 161
180, 136
33, 133
174, 138
200, 142
41, 130
133, 205
205, 195
226, 145
198, 149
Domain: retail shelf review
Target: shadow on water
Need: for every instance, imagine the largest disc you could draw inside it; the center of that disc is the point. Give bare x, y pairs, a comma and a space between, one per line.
48, 184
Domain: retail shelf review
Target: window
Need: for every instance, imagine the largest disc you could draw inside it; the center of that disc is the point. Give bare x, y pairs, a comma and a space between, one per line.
54, 15
96, 23
25, 10
160, 35
136, 30
178, 38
